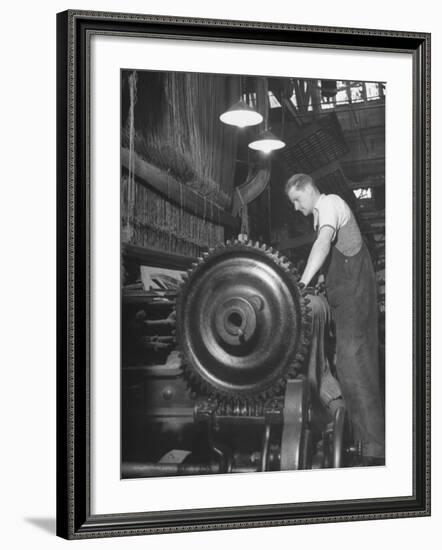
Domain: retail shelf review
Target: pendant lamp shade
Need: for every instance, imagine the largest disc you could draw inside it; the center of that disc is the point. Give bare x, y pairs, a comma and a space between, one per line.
241, 115
266, 142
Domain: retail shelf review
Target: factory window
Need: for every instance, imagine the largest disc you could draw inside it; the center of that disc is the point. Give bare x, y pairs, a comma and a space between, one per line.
354, 92
342, 95
357, 92
363, 193
273, 101
372, 90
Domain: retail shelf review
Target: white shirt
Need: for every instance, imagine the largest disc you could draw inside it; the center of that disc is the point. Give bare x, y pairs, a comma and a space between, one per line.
334, 212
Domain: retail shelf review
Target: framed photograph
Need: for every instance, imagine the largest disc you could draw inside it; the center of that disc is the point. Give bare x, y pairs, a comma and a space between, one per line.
243, 274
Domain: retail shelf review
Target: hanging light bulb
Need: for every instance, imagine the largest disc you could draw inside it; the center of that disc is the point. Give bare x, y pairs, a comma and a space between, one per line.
266, 142
241, 115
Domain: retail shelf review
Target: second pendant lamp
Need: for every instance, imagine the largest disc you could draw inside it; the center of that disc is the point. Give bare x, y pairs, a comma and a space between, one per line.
266, 141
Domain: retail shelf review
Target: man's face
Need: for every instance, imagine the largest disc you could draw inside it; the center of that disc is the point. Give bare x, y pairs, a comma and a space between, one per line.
303, 200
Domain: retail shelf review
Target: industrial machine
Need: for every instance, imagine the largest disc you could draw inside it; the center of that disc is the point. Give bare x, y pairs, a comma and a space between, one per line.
214, 373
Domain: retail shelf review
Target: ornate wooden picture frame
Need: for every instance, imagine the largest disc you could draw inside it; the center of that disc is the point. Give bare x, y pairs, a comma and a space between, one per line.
76, 408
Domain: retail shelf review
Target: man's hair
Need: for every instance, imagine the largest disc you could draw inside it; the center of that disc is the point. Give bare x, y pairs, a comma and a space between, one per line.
299, 181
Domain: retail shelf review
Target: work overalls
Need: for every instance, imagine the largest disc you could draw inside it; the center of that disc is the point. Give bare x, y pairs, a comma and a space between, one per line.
351, 291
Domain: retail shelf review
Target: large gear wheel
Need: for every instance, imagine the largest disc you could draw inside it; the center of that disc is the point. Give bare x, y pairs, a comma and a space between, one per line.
242, 322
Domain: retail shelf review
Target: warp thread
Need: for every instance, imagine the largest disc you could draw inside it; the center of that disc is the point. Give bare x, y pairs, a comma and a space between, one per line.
131, 180
152, 221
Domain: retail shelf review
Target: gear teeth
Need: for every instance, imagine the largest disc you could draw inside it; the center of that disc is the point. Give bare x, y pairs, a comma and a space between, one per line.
257, 244
194, 265
264, 247
235, 241
229, 242
250, 242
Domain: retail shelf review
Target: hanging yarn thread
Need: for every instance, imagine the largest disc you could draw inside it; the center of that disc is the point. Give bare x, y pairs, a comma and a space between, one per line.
149, 219
127, 228
244, 215
157, 223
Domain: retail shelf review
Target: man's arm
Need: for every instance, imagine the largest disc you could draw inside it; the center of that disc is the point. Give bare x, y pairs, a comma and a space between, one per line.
318, 254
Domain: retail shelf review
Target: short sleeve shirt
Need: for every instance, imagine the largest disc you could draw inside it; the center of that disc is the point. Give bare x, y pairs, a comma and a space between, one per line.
334, 212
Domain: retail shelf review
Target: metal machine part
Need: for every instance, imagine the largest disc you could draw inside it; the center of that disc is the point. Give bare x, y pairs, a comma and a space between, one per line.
242, 323
230, 394
296, 437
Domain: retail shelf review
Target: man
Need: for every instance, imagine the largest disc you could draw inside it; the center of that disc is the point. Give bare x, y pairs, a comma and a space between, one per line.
341, 253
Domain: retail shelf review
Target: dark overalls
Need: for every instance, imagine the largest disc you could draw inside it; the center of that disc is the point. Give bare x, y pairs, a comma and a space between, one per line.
351, 290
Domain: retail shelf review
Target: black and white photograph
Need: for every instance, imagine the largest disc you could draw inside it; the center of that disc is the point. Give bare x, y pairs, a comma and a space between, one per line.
222, 255
243, 271
252, 214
